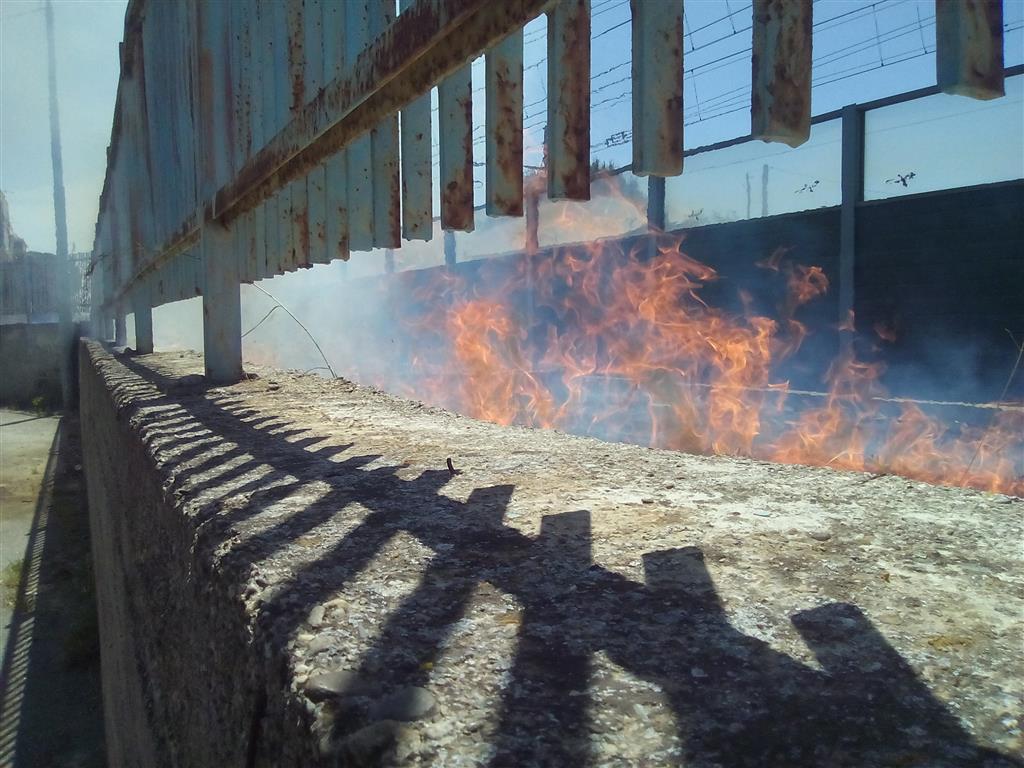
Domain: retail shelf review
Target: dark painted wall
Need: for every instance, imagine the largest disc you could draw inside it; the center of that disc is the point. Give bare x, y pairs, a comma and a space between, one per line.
945, 271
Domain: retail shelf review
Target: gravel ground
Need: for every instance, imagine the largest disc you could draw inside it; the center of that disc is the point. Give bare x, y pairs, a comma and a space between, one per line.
559, 600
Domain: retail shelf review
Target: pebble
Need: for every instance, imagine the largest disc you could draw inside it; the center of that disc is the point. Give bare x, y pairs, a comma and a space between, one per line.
321, 643
404, 705
820, 535
762, 513
646, 500
326, 685
316, 616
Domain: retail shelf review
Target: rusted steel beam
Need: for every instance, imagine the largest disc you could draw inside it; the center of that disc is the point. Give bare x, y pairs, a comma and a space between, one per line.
424, 45
417, 166
384, 140
969, 48
657, 87
504, 130
780, 102
455, 135
569, 100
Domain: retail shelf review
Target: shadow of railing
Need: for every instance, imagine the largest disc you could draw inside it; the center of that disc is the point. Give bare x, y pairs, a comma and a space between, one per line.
735, 699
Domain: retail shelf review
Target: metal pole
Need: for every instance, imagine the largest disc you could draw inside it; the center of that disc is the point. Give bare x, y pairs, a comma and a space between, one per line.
449, 248
120, 328
143, 320
764, 190
853, 193
60, 216
656, 203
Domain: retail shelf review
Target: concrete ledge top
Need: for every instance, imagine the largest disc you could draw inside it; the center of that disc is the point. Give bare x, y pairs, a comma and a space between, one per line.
559, 600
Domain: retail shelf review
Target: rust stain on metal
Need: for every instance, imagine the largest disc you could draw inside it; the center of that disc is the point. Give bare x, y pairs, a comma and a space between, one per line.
569, 45
781, 71
969, 48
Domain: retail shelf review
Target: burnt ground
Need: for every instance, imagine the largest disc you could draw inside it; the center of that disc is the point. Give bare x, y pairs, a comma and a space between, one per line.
559, 600
50, 697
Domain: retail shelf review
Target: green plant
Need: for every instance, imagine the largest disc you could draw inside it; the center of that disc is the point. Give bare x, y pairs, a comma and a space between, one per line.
10, 578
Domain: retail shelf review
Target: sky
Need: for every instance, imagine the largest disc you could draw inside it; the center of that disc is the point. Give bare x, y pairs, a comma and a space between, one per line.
862, 51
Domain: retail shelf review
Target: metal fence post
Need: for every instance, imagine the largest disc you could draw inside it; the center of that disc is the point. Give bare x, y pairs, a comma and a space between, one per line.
222, 299
222, 306
449, 248
143, 320
852, 194
120, 328
656, 203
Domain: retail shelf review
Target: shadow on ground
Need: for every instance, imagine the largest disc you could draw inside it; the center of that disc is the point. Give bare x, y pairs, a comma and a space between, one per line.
50, 695
736, 700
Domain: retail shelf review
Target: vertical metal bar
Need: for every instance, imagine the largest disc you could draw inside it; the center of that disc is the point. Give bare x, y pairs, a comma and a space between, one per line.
297, 80
222, 316
657, 87
417, 172
656, 202
222, 310
449, 248
384, 143
780, 101
268, 120
455, 124
283, 103
969, 48
360, 152
141, 307
852, 194
335, 181
569, 100
503, 69
120, 328
313, 48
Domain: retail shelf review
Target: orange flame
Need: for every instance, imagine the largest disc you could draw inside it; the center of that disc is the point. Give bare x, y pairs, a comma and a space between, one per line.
619, 343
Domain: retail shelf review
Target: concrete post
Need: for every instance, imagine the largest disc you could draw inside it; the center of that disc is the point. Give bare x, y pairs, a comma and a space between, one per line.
222, 306
120, 328
143, 320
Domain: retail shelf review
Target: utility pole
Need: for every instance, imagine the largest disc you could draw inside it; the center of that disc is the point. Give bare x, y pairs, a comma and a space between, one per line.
748, 194
60, 219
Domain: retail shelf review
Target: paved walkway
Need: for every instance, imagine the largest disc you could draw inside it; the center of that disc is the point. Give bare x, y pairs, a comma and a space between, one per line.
51, 711
26, 441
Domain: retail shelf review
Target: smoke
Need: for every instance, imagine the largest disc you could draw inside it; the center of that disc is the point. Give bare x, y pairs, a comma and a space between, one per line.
724, 340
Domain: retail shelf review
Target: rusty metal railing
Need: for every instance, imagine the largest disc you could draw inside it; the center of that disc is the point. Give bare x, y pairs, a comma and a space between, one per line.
257, 137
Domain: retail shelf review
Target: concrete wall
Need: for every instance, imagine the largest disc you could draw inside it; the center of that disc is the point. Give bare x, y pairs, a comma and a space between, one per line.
183, 683
288, 575
30, 363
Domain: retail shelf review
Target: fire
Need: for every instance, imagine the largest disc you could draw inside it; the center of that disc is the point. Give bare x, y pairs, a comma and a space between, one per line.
615, 339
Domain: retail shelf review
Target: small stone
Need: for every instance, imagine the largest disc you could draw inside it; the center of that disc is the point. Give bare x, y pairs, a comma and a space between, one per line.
698, 673
405, 705
370, 745
326, 685
820, 535
316, 616
762, 513
321, 643
646, 500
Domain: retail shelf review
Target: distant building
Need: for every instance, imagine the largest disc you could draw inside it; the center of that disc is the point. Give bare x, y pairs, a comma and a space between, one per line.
11, 246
